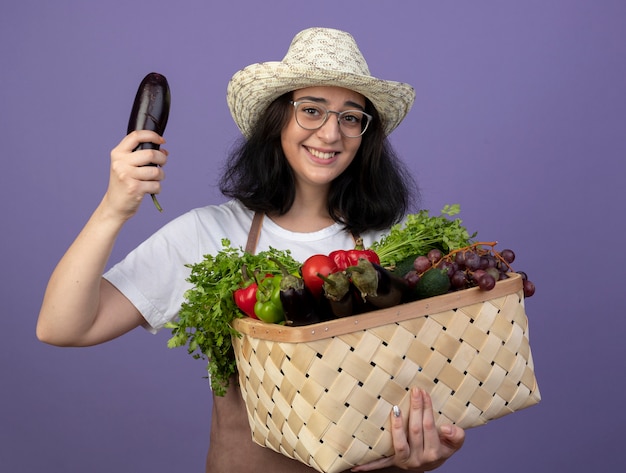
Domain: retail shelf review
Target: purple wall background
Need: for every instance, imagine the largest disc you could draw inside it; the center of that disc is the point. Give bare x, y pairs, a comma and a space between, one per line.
520, 117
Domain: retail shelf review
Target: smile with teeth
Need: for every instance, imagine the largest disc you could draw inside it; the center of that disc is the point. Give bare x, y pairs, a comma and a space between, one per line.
321, 155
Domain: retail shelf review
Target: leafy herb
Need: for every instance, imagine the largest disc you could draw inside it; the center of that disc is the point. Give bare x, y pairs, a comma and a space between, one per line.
421, 233
203, 323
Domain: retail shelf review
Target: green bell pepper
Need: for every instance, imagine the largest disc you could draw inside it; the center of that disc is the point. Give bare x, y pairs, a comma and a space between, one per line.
268, 307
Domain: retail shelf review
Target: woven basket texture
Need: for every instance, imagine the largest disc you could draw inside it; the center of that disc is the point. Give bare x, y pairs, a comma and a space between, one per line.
322, 394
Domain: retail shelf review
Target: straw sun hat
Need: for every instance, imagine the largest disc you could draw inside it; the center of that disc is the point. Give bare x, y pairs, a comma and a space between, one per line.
316, 57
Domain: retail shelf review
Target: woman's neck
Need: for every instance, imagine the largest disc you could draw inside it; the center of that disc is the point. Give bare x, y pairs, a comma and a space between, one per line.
309, 213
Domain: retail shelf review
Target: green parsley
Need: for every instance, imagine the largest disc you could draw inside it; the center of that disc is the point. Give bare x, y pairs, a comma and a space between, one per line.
420, 233
204, 320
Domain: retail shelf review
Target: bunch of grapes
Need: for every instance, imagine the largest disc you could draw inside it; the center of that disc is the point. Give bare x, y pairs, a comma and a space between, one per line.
476, 265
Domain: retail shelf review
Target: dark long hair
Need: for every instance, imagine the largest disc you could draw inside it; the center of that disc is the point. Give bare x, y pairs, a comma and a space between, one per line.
373, 193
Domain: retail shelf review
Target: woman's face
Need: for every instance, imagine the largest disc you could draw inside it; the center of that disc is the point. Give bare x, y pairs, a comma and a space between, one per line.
317, 157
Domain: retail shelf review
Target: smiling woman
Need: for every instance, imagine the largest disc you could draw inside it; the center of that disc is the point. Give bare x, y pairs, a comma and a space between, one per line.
512, 97
319, 182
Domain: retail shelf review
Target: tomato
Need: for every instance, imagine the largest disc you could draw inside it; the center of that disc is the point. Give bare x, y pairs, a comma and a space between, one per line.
317, 264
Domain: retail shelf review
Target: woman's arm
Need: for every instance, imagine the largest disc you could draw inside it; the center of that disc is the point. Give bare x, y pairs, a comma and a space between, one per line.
79, 307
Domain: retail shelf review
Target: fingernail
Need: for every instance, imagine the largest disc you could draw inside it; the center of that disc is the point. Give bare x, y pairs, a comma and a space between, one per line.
396, 411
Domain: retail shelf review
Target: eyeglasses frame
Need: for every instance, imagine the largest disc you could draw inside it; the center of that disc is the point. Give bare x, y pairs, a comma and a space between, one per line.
328, 112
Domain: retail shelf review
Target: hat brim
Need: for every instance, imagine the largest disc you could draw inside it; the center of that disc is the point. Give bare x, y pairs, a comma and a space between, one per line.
254, 88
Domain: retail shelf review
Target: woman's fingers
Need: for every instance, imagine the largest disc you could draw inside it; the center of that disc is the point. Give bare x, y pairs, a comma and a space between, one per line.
135, 138
135, 173
151, 175
421, 445
125, 150
142, 164
447, 439
429, 435
453, 437
422, 437
146, 166
437, 444
147, 157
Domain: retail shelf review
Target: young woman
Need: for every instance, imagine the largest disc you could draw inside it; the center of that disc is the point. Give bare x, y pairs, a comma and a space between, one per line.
315, 163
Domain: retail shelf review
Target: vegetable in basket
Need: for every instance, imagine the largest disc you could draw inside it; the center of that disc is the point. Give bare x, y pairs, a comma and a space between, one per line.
343, 259
337, 290
298, 303
245, 297
204, 322
434, 282
268, 306
205, 317
421, 232
476, 265
312, 268
377, 285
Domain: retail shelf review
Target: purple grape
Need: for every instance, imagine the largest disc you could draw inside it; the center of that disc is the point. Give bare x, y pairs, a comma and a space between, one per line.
492, 262
472, 261
508, 255
447, 266
459, 259
503, 265
412, 278
486, 282
529, 288
458, 280
434, 255
494, 273
421, 264
476, 275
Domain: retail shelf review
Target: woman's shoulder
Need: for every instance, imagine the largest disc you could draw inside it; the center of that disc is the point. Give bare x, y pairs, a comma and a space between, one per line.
229, 220
229, 209
217, 221
226, 213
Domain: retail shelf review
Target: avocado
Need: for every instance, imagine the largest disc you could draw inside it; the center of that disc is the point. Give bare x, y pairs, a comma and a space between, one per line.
433, 282
404, 266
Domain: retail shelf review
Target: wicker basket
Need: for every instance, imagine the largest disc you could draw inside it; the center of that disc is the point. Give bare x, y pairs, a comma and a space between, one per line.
322, 394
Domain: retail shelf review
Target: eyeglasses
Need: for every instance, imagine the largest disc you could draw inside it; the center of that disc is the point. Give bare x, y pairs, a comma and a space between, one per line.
312, 116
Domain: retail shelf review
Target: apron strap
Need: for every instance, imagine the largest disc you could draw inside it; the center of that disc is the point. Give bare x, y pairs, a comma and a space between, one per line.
254, 233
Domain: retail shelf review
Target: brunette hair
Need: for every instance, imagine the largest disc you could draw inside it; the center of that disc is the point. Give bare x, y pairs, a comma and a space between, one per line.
373, 193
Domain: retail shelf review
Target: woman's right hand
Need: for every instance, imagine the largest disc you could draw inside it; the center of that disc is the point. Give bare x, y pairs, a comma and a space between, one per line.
131, 176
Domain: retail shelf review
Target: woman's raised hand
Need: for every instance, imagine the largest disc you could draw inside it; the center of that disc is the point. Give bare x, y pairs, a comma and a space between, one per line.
131, 176
79, 307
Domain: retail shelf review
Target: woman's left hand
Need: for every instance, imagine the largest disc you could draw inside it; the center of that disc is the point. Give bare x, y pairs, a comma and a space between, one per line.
423, 447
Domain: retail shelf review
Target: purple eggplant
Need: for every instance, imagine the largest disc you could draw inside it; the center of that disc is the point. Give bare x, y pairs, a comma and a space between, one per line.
377, 285
150, 111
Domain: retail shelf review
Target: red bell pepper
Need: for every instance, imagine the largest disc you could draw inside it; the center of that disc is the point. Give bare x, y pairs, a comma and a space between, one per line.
245, 297
345, 258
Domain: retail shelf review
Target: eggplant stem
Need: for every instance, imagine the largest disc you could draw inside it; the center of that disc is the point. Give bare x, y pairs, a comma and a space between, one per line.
156, 203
